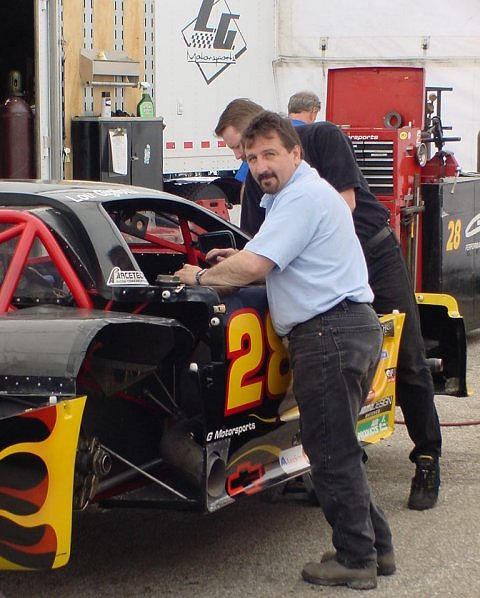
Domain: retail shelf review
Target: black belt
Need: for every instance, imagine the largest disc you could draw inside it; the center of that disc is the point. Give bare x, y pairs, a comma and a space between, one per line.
377, 238
343, 305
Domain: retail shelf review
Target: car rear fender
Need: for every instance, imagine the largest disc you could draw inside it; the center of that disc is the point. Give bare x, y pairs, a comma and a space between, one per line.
42, 354
37, 456
42, 349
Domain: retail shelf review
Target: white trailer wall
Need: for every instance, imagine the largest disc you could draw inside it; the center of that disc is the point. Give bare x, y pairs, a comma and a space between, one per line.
195, 79
283, 46
441, 36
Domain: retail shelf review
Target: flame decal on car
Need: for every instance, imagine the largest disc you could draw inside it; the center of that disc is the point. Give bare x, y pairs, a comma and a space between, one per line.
37, 459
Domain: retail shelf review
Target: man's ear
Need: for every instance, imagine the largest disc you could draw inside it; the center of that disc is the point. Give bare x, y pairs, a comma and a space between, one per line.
297, 154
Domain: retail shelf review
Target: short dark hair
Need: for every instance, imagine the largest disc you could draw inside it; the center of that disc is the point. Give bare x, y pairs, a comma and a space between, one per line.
303, 101
266, 123
237, 114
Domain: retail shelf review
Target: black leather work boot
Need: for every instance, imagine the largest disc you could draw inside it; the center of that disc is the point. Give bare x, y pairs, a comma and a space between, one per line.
425, 483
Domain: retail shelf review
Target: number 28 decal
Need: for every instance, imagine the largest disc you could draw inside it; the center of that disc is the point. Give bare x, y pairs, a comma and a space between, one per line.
454, 234
259, 362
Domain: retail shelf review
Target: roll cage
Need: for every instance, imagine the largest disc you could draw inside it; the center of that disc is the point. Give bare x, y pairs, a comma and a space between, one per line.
63, 252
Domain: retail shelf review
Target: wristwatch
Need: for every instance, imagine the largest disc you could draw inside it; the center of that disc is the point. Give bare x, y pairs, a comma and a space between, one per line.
199, 274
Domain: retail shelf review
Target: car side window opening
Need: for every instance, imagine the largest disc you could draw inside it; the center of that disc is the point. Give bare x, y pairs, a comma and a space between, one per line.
161, 242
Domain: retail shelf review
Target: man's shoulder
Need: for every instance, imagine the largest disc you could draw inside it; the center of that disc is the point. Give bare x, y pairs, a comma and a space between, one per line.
321, 142
320, 134
323, 126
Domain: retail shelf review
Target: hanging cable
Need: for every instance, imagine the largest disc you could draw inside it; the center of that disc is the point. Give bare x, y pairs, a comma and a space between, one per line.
448, 424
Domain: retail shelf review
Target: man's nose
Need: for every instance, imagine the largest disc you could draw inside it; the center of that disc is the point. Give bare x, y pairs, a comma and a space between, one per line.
262, 164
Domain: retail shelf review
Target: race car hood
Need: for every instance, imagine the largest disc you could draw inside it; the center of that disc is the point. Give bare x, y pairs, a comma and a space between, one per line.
42, 348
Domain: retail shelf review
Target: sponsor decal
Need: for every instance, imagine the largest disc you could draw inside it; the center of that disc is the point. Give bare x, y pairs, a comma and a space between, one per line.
388, 328
375, 408
473, 227
403, 135
246, 479
472, 246
363, 137
293, 459
228, 432
390, 374
370, 428
95, 193
120, 278
213, 39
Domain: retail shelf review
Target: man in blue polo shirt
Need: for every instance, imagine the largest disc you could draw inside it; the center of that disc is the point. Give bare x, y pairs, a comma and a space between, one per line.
330, 152
319, 298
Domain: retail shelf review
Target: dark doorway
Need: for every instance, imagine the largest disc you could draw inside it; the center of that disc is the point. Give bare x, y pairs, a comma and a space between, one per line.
17, 90
17, 46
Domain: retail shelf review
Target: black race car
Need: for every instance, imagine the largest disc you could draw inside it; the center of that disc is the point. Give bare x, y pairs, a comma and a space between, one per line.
123, 387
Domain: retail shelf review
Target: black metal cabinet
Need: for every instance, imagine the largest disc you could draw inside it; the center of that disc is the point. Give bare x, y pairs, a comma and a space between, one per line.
118, 150
451, 243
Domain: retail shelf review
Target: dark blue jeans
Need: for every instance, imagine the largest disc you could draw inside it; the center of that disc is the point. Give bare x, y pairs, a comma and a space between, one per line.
334, 357
390, 281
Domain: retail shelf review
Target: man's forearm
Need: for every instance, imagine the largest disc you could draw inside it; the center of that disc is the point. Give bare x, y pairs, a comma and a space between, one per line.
238, 270
235, 271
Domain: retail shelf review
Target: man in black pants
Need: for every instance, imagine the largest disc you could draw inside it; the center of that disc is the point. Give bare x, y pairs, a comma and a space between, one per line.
334, 338
330, 151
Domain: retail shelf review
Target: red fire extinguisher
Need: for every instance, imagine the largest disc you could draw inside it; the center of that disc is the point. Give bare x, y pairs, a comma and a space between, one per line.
16, 133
